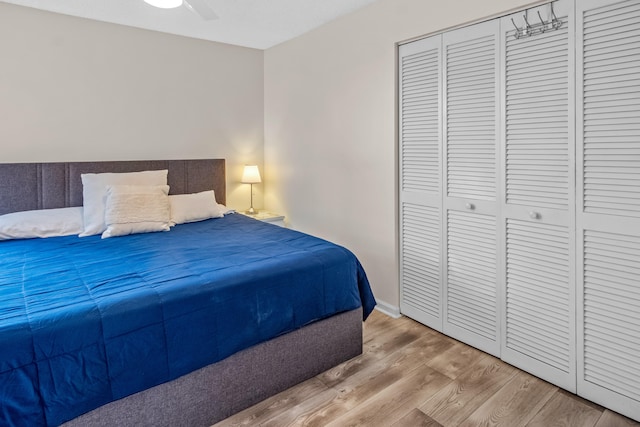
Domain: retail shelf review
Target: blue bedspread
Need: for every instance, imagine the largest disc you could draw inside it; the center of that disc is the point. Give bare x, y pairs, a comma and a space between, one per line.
85, 321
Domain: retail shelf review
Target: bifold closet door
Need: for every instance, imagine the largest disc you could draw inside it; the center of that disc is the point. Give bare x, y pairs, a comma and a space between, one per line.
608, 194
420, 181
470, 146
538, 201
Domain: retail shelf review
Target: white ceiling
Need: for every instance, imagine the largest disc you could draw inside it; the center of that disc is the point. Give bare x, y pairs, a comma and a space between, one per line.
258, 24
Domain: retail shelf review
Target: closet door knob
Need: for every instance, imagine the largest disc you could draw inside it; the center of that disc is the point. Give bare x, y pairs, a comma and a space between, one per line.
470, 206
534, 215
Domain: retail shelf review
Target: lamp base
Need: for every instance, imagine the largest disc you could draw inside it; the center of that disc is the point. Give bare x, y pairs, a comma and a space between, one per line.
251, 211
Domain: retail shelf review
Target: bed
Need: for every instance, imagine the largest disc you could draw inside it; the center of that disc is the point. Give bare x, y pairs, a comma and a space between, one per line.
179, 328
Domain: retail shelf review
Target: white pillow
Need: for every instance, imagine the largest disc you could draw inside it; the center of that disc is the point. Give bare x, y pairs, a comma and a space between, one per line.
194, 207
136, 209
94, 192
41, 223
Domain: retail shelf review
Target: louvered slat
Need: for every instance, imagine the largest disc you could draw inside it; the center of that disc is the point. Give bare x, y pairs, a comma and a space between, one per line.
421, 258
420, 121
537, 122
611, 315
611, 56
471, 271
537, 292
470, 118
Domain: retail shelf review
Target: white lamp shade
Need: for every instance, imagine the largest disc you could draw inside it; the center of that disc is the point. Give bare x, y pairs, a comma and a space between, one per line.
251, 175
164, 4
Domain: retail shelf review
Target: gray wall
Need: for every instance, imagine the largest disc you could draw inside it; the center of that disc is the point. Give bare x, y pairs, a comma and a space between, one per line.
73, 89
330, 127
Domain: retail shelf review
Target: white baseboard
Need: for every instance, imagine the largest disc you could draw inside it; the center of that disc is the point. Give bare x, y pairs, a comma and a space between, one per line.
388, 309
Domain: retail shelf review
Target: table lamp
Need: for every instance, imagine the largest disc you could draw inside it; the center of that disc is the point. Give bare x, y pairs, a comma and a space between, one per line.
251, 175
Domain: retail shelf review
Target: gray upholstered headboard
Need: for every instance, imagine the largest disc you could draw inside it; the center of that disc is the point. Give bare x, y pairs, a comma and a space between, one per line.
28, 186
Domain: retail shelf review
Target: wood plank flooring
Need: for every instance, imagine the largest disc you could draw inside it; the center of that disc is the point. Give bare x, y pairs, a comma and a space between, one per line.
410, 375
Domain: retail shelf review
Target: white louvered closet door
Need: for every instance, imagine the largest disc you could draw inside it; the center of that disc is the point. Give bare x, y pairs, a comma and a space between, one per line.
420, 182
608, 195
470, 134
538, 201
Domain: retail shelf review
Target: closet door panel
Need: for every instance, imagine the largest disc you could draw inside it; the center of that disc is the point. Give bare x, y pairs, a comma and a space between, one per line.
420, 272
538, 107
610, 370
538, 200
470, 61
608, 214
470, 135
420, 181
539, 322
611, 60
471, 311
537, 119
420, 118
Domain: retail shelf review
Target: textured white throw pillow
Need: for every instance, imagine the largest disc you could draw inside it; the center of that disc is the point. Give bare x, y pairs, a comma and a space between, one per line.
41, 223
94, 192
136, 209
194, 207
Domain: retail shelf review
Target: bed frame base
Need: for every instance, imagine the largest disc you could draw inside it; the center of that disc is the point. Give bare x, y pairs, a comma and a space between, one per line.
218, 391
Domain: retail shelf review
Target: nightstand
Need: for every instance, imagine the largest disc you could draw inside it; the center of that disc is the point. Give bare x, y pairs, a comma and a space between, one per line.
265, 216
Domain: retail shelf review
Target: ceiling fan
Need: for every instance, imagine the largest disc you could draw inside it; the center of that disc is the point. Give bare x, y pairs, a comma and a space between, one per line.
198, 6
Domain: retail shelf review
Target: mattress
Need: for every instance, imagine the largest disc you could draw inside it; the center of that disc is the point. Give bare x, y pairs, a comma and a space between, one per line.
85, 321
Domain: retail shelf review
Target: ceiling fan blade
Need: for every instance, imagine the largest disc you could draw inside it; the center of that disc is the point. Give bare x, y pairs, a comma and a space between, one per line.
201, 8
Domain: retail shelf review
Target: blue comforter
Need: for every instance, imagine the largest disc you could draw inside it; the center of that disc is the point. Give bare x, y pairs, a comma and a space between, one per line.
85, 321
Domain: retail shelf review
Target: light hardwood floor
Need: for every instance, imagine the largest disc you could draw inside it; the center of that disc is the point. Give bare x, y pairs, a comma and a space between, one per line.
410, 375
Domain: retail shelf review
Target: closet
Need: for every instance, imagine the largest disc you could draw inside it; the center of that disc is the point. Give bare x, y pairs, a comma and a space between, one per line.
519, 192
